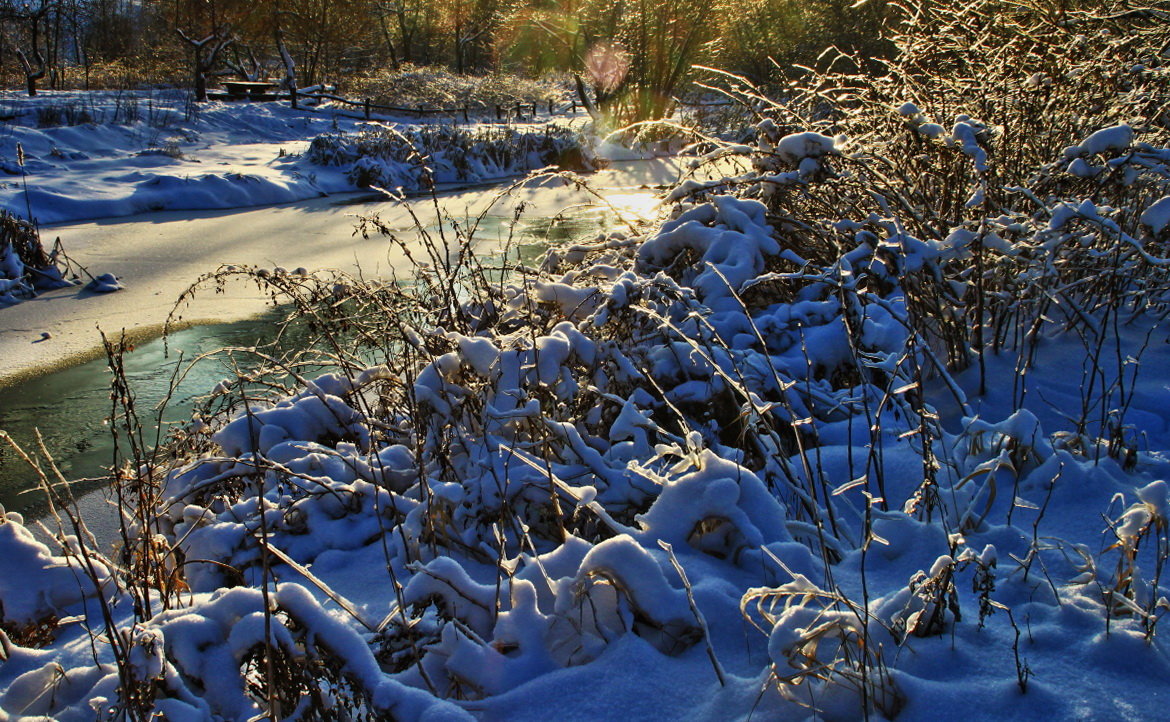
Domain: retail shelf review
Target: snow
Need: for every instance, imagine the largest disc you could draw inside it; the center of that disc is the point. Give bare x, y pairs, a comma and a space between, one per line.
934, 131
222, 157
104, 283
1114, 139
34, 583
729, 235
966, 134
797, 147
1156, 216
216, 155
687, 466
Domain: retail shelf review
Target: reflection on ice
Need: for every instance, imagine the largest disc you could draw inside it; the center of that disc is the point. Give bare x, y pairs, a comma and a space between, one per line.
634, 207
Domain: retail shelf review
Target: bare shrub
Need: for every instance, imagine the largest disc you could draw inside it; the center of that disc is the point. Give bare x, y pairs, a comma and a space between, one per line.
433, 87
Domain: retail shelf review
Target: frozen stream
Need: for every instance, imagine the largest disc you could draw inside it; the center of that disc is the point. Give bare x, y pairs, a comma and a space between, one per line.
157, 255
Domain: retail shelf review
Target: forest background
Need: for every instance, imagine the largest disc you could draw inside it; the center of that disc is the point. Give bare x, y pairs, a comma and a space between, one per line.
636, 55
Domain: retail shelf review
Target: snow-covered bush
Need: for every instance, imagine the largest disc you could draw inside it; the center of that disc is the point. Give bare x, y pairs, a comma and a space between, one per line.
411, 86
1132, 591
25, 267
38, 588
818, 640
412, 158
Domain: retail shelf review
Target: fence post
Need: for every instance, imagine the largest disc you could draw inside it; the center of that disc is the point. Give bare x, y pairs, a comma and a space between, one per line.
499, 112
574, 108
366, 107
550, 107
465, 118
519, 112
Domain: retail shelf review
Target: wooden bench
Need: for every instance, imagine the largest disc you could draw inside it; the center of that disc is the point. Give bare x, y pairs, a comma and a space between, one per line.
250, 90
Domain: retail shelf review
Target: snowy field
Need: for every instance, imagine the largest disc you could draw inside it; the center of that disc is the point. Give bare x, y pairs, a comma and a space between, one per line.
876, 428
152, 151
107, 154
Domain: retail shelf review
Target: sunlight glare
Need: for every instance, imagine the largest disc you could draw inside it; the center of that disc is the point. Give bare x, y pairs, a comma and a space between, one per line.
634, 207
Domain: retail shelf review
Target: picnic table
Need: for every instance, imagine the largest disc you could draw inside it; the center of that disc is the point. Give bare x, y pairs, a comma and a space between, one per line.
250, 89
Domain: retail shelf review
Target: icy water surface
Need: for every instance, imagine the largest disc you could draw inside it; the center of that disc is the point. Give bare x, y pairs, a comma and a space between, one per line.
71, 406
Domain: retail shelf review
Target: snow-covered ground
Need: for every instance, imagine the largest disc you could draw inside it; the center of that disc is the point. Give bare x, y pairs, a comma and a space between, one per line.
150, 151
220, 156
737, 464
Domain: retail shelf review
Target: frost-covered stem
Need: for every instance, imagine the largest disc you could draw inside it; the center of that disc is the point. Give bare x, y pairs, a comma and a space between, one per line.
1025, 352
1091, 371
1023, 671
265, 594
864, 574
1034, 548
1128, 396
62, 503
412, 410
819, 467
1110, 321
699, 618
852, 334
273, 699
424, 438
980, 301
827, 549
553, 499
930, 462
939, 367
799, 439
140, 501
24, 186
501, 571
1156, 602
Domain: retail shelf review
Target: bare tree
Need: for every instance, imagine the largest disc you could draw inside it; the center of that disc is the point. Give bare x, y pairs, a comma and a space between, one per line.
31, 21
244, 63
205, 53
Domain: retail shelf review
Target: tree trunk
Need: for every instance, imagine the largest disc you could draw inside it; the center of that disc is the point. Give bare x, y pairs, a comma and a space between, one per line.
200, 83
290, 68
586, 101
32, 75
389, 40
459, 42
